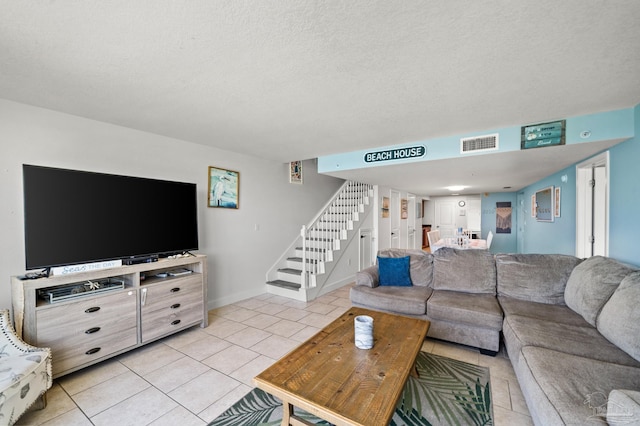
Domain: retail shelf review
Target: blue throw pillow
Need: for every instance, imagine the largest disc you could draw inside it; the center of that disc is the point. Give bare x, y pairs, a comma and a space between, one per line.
394, 271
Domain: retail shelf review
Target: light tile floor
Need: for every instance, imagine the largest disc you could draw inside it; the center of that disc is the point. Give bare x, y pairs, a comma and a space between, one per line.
193, 376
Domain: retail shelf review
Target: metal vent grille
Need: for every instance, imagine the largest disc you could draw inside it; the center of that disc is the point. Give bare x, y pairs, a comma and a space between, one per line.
479, 143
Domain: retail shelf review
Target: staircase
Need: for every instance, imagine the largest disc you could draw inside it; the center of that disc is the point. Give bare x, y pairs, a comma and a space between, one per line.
302, 270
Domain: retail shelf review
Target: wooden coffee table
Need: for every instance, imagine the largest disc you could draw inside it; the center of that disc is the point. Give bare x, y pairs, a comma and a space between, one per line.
329, 377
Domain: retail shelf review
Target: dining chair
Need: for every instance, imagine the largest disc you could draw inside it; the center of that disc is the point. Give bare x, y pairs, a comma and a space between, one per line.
489, 239
434, 237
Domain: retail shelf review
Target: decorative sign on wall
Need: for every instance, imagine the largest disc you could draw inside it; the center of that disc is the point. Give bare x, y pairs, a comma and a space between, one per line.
417, 151
544, 134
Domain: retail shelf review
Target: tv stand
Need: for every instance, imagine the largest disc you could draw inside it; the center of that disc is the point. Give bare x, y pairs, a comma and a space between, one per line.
84, 322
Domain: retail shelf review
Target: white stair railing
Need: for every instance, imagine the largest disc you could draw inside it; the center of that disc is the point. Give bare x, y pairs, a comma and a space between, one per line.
322, 236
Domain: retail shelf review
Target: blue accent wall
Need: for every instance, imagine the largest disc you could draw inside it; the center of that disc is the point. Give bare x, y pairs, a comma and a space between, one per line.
624, 205
558, 236
502, 243
624, 198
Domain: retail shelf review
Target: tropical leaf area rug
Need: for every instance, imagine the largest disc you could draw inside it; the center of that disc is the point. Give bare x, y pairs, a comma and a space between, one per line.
448, 392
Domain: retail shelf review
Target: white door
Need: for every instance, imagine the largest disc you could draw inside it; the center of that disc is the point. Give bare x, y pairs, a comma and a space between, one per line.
366, 256
592, 207
445, 217
411, 222
394, 215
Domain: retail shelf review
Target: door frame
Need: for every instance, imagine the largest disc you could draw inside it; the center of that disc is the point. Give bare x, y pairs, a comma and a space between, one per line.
584, 211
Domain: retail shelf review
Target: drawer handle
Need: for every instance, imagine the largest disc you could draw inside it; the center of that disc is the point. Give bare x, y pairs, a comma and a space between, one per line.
176, 322
92, 330
92, 309
92, 351
175, 289
176, 306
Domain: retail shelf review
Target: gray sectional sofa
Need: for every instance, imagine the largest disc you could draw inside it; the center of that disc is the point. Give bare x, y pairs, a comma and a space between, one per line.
571, 327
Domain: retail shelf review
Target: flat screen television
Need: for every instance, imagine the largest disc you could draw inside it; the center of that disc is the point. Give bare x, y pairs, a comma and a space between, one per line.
73, 217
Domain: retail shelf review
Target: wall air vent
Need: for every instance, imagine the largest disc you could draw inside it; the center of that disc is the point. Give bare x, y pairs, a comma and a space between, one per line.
479, 143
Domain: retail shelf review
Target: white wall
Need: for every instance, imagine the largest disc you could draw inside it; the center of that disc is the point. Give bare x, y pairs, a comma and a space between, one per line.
239, 255
383, 238
472, 206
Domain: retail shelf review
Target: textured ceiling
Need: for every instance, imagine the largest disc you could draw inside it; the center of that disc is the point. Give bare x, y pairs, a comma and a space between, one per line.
289, 80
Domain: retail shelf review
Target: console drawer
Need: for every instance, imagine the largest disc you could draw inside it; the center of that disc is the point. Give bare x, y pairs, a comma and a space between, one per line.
170, 306
99, 326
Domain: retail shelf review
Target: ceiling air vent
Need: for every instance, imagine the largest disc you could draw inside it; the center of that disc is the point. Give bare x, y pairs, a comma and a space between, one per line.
479, 143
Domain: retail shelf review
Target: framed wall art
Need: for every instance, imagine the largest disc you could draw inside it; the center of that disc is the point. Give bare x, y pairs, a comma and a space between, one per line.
295, 172
385, 207
223, 188
404, 208
556, 202
544, 204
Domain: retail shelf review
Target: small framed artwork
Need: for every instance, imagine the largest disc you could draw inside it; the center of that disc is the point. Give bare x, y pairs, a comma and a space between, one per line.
295, 172
556, 211
404, 208
533, 205
544, 204
385, 207
223, 188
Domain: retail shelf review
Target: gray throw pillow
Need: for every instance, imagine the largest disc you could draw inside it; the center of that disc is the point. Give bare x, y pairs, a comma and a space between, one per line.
592, 283
619, 320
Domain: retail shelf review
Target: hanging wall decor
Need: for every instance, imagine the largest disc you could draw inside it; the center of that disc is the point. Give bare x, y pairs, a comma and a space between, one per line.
503, 217
295, 172
223, 188
544, 205
404, 208
556, 212
385, 207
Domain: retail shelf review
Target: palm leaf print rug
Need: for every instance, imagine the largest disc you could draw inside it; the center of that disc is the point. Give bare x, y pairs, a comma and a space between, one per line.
448, 392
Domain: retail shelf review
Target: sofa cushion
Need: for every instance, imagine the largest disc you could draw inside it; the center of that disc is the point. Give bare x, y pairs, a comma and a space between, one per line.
534, 277
480, 310
394, 271
592, 283
619, 320
469, 271
420, 264
554, 313
569, 389
584, 340
402, 300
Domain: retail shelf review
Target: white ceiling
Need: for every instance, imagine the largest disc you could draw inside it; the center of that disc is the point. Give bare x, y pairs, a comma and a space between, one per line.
290, 80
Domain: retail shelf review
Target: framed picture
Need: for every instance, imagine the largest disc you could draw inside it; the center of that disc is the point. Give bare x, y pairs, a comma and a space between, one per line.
544, 204
295, 172
556, 201
385, 207
223, 188
404, 208
533, 205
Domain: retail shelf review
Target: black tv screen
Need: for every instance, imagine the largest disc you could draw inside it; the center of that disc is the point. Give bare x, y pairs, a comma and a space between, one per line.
73, 217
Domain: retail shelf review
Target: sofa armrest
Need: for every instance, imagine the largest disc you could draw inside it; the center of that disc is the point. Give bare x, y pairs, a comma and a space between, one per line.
368, 277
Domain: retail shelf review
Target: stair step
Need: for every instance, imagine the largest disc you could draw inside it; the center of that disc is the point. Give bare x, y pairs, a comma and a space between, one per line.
290, 271
285, 284
299, 260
